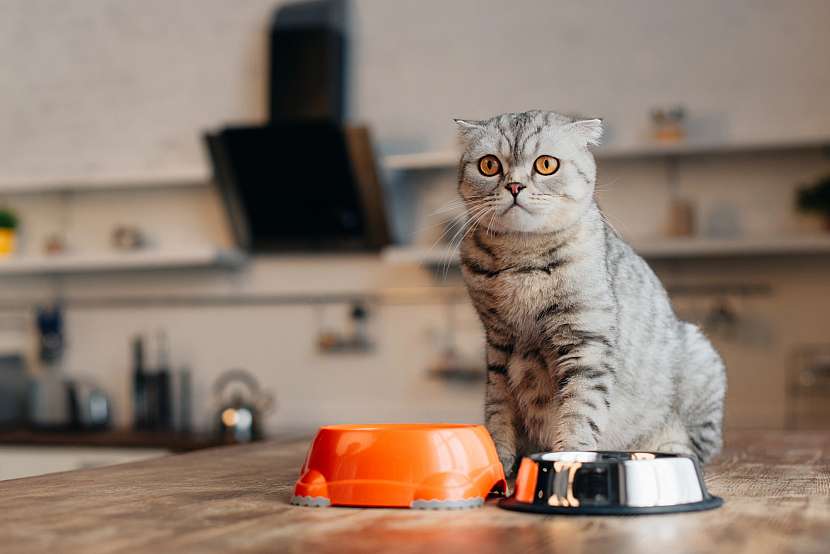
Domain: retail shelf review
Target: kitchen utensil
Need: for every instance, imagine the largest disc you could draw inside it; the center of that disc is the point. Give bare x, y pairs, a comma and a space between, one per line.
52, 402
240, 409
50, 332
419, 465
159, 393
139, 384
183, 393
355, 340
93, 409
128, 238
609, 483
152, 387
13, 385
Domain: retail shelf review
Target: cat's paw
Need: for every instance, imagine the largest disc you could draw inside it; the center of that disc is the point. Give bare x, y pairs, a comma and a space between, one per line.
575, 444
509, 464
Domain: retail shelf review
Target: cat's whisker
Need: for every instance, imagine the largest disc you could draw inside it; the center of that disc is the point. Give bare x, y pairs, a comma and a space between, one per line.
490, 223
460, 230
456, 205
446, 221
456, 244
605, 185
470, 218
450, 223
458, 219
454, 228
459, 204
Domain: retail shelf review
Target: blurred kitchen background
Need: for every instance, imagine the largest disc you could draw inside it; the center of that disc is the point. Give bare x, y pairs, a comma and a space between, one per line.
222, 220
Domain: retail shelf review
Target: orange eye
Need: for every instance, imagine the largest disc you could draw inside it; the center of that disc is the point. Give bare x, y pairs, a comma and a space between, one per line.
489, 165
546, 165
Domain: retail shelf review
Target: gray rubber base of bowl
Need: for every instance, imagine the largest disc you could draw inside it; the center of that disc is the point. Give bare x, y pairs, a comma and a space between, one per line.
322, 502
311, 501
447, 504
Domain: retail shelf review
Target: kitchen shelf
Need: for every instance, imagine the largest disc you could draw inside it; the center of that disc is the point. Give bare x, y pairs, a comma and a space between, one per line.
92, 184
116, 438
654, 249
120, 261
697, 247
443, 159
448, 159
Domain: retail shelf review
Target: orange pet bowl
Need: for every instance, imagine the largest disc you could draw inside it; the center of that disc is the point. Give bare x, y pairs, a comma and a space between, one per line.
424, 466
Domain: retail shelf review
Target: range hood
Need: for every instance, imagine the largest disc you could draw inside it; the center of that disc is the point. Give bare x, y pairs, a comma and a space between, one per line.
303, 181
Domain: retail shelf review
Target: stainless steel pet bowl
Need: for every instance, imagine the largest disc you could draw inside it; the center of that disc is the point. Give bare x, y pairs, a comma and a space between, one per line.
609, 483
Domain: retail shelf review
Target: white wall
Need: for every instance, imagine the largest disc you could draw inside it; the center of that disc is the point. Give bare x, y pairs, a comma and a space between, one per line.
746, 70
123, 89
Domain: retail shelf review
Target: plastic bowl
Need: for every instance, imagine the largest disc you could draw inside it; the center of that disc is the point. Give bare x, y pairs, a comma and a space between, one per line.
609, 483
422, 466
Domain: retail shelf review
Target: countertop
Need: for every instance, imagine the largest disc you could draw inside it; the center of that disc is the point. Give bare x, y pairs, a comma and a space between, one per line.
235, 499
115, 438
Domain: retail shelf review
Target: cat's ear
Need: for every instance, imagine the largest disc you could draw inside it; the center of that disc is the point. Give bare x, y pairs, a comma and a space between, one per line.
588, 130
467, 127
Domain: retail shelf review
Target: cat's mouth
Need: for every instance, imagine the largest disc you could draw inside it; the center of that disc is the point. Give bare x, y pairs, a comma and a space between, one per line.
515, 204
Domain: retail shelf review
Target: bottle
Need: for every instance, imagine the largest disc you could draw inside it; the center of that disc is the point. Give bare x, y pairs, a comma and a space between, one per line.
139, 384
182, 390
163, 412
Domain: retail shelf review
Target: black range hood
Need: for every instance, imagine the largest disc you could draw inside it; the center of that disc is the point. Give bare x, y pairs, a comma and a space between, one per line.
304, 181
300, 186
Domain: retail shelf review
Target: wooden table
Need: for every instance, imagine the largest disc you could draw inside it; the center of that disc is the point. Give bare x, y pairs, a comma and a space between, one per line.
235, 499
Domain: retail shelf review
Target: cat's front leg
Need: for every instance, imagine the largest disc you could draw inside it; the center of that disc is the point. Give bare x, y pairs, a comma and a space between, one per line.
499, 410
583, 373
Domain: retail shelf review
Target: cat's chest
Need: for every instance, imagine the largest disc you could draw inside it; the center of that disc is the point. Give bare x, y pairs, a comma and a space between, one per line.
518, 296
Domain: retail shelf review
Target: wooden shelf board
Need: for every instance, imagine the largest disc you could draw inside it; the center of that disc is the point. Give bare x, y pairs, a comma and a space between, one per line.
120, 261
446, 159
110, 183
658, 248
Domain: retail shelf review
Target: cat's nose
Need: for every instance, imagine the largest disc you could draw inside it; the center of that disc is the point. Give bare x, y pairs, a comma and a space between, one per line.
515, 188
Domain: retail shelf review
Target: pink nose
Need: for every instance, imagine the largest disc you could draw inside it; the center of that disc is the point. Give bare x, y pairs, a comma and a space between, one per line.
515, 188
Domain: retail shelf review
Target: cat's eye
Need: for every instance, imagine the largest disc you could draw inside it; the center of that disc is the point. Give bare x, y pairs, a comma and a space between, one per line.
546, 165
489, 165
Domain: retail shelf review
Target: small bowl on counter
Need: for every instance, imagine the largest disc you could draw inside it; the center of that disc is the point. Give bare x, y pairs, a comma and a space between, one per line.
609, 483
392, 465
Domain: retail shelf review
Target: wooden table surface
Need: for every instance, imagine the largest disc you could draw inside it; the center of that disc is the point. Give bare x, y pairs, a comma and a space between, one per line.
235, 499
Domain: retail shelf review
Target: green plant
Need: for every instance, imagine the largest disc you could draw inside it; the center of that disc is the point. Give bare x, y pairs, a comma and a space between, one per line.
816, 197
8, 219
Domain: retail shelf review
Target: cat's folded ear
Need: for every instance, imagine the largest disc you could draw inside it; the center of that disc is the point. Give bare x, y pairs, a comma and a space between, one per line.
467, 127
587, 130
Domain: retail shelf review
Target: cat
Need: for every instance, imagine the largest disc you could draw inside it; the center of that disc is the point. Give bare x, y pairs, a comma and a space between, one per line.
584, 351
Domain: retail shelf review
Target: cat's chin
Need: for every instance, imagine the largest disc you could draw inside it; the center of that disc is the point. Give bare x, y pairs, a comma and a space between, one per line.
520, 221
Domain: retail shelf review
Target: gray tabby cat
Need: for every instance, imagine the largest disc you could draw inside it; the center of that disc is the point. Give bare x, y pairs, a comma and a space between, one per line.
584, 351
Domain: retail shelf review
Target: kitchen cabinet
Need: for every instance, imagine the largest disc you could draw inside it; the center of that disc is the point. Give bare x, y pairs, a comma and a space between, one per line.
28, 461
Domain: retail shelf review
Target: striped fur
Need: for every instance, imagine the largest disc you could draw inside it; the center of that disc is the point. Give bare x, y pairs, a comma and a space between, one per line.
584, 350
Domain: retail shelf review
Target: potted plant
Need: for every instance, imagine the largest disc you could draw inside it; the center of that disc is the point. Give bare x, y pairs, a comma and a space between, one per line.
8, 231
816, 199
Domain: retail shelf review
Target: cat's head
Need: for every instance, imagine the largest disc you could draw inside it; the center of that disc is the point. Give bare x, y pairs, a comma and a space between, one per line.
529, 171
